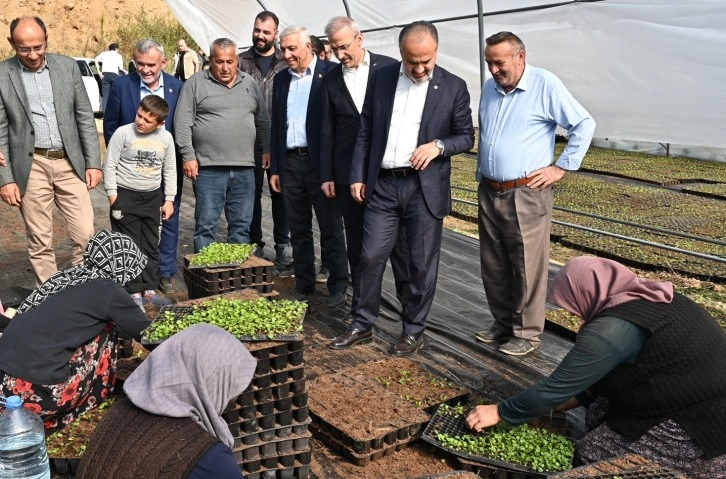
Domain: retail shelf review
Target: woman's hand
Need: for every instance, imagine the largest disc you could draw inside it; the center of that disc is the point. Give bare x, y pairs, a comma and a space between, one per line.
483, 416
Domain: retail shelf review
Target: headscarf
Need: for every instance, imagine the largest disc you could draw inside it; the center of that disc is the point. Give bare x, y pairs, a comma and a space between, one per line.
195, 374
109, 255
585, 286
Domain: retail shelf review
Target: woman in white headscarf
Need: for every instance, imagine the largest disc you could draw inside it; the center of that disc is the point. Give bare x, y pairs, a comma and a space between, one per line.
59, 354
171, 424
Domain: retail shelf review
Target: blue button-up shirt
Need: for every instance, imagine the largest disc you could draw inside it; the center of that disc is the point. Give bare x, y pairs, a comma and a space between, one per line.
517, 129
146, 91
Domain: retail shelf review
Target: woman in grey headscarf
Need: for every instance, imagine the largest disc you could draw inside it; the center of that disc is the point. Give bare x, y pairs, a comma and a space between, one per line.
171, 424
59, 355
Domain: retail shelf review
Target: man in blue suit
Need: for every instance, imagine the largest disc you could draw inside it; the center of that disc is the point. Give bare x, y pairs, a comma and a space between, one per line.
297, 111
123, 103
415, 116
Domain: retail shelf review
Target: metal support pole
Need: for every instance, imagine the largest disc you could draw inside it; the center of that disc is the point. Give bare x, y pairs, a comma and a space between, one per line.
482, 62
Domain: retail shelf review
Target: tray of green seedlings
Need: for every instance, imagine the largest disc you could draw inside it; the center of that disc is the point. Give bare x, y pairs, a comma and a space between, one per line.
523, 448
249, 320
221, 255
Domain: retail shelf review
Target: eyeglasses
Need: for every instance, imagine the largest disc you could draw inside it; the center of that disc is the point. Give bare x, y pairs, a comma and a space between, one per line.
26, 50
344, 47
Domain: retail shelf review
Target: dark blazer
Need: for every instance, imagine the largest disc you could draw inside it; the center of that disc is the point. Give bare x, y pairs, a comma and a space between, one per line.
313, 122
446, 117
72, 108
341, 122
124, 99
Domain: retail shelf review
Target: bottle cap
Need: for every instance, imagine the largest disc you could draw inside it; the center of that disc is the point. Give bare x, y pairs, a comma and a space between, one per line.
13, 402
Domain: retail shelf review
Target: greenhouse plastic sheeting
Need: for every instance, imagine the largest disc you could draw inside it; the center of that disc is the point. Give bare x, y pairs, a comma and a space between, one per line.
648, 71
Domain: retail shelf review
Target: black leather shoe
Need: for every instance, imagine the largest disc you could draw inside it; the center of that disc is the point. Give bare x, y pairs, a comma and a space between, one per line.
407, 346
350, 338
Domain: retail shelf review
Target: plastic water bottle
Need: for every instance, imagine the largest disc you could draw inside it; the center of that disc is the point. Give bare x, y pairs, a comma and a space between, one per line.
23, 451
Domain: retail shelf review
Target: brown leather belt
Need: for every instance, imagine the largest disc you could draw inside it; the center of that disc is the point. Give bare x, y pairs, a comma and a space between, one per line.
52, 154
506, 185
397, 172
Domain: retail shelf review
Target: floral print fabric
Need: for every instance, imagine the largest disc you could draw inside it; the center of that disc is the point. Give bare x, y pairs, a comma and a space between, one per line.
92, 370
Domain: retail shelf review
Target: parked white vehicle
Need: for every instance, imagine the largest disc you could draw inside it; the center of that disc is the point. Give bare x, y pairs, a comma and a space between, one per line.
92, 82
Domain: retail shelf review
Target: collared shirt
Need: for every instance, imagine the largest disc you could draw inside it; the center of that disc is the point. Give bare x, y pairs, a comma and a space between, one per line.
517, 129
42, 107
146, 91
408, 106
111, 61
297, 105
356, 79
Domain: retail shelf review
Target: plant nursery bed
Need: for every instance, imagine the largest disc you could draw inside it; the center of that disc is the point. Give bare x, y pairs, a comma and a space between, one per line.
254, 273
542, 452
453, 475
412, 382
363, 418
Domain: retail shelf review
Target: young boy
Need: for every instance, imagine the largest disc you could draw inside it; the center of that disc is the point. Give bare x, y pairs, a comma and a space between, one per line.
139, 156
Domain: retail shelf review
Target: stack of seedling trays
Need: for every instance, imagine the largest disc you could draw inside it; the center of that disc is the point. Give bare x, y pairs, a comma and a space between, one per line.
452, 423
211, 279
269, 421
361, 420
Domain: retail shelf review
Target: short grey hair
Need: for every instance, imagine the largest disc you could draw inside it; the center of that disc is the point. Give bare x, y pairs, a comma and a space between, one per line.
507, 37
146, 44
222, 44
338, 23
296, 29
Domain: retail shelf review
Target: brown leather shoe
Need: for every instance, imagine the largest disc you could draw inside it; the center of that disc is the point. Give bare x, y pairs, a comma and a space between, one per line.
407, 346
350, 338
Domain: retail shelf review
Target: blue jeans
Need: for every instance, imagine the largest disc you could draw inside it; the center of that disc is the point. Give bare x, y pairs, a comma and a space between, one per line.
170, 230
228, 188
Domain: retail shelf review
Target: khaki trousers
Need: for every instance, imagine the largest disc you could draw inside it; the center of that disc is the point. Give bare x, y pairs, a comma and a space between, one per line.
54, 181
514, 248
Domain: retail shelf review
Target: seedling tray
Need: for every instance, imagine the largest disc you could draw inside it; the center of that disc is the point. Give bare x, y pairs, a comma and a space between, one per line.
381, 418
362, 459
626, 466
263, 436
454, 474
181, 311
456, 426
255, 273
299, 471
289, 446
425, 389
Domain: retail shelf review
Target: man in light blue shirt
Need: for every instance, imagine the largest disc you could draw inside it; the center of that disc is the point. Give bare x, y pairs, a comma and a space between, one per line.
520, 108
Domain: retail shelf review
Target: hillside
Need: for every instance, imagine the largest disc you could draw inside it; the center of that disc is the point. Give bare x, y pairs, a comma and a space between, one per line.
78, 27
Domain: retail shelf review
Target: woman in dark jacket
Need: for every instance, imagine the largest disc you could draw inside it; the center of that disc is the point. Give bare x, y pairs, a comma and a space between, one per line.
647, 362
170, 426
59, 352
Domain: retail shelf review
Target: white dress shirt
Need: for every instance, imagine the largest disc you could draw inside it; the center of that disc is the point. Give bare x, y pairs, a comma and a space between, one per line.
297, 105
111, 62
356, 79
408, 108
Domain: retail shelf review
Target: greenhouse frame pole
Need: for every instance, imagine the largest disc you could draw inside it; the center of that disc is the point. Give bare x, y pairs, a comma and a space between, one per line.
482, 62
347, 8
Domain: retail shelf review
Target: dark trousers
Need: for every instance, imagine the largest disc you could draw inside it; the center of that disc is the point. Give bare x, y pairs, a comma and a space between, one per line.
353, 219
302, 193
169, 242
137, 214
280, 229
106, 84
392, 203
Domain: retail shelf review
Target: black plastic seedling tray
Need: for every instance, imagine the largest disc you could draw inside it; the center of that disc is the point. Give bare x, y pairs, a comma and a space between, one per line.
456, 426
184, 310
13, 296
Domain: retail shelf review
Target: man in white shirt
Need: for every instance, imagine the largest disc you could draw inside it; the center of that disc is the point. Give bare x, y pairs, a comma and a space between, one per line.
110, 63
344, 89
415, 116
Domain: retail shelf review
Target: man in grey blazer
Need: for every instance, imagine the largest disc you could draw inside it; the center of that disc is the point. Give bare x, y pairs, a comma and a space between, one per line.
49, 139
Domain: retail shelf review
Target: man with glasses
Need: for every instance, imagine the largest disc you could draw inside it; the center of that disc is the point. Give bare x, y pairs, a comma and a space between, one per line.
344, 89
48, 135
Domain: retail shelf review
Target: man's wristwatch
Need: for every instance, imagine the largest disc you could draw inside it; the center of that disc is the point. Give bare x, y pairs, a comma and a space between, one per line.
440, 145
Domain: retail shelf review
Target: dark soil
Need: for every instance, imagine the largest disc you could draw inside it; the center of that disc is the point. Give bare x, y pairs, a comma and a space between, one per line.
360, 410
